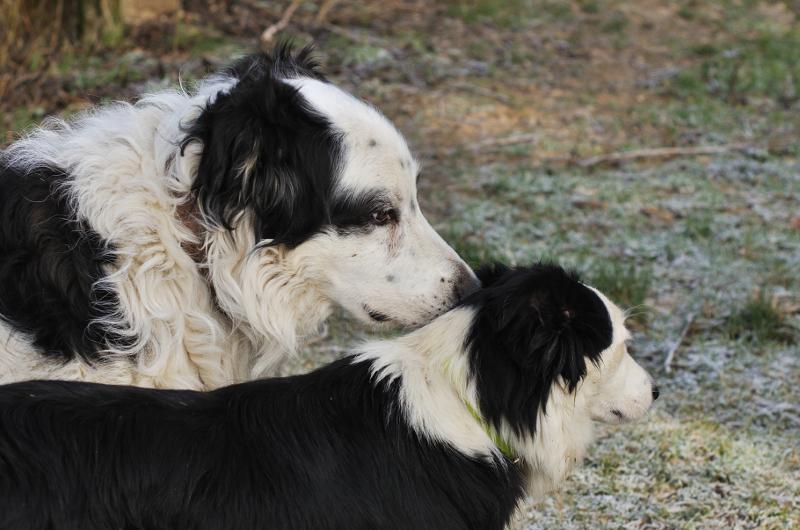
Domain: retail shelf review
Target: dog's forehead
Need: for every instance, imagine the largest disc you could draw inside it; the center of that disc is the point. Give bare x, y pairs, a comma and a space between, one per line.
617, 315
375, 153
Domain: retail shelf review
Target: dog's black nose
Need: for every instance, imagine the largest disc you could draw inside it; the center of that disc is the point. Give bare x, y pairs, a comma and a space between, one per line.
655, 393
466, 282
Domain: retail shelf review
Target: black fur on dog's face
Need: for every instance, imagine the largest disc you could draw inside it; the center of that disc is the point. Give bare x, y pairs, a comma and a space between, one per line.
539, 328
548, 327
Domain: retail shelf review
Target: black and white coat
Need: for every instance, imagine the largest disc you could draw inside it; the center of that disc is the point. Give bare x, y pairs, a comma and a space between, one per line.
446, 427
191, 240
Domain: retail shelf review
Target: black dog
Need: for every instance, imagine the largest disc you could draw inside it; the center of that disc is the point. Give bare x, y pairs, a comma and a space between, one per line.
441, 428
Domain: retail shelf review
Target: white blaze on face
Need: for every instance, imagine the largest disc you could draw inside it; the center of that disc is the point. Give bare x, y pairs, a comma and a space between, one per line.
622, 390
403, 273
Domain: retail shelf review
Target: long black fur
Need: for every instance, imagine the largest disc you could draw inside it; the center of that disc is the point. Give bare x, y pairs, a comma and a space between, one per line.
293, 152
50, 263
533, 326
324, 450
327, 450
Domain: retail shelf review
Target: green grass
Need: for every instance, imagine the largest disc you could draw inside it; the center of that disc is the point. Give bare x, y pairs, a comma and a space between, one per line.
617, 22
509, 13
700, 226
766, 65
198, 40
591, 7
625, 284
474, 11
758, 321
471, 247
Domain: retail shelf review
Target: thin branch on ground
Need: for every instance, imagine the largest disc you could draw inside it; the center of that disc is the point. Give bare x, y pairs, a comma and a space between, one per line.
620, 156
360, 37
671, 353
280, 25
664, 152
324, 10
479, 90
492, 143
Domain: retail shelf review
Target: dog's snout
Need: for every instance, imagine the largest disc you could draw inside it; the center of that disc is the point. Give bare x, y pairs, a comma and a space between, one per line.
464, 281
656, 392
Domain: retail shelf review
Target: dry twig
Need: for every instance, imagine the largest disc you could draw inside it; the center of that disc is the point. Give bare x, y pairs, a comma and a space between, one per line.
492, 143
479, 90
324, 9
671, 352
280, 25
662, 152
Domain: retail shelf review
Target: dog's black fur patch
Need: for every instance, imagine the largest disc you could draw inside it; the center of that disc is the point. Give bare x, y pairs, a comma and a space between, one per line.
50, 263
329, 449
533, 326
292, 152
326, 450
354, 213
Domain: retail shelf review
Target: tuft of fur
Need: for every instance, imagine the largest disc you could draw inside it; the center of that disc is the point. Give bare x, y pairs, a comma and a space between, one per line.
266, 154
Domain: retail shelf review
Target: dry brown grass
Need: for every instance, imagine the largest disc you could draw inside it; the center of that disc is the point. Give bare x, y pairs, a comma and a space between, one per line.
36, 31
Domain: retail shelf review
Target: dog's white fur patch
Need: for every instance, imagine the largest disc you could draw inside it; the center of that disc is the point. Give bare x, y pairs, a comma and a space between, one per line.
433, 369
418, 268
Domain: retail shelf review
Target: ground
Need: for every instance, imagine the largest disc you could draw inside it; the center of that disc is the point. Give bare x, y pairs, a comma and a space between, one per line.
506, 104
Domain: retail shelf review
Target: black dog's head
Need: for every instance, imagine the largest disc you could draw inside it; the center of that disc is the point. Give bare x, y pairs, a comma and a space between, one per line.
539, 329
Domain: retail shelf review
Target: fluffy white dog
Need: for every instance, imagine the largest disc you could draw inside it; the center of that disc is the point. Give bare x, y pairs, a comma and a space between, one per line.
192, 240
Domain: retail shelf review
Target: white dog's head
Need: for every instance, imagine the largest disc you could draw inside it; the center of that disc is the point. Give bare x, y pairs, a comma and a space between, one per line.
380, 257
549, 357
621, 390
302, 185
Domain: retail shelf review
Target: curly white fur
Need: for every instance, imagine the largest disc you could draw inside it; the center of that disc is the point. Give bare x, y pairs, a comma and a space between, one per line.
245, 307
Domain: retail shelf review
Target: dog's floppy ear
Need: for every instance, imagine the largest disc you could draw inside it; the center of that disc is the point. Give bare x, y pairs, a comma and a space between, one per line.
265, 152
565, 324
534, 326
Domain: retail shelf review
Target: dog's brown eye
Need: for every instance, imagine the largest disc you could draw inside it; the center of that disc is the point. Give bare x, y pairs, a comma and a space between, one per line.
382, 217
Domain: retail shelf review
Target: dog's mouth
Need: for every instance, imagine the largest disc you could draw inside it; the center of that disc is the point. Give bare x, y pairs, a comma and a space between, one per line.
376, 316
618, 414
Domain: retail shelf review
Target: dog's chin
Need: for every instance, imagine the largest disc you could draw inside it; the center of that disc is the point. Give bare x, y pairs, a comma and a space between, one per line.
375, 317
617, 416
383, 320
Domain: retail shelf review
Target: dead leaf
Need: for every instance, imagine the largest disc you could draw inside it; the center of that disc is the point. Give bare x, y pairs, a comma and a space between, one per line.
657, 212
587, 203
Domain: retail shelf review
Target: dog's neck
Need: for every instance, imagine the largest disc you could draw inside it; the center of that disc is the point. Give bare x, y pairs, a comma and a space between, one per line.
438, 394
441, 402
266, 293
453, 360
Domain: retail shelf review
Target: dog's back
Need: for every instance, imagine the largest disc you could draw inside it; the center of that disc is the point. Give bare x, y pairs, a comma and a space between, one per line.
82, 455
325, 450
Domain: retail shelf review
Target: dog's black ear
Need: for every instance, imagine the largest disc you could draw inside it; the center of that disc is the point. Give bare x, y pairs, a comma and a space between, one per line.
534, 326
489, 273
265, 152
567, 324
